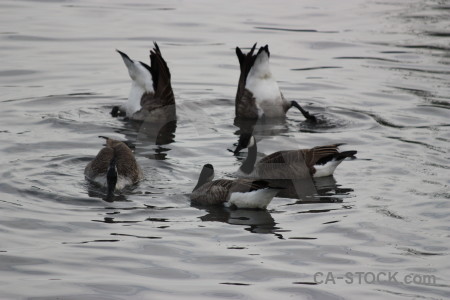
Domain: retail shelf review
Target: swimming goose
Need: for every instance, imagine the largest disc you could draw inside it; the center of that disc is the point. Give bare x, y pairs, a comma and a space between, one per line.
114, 167
241, 193
319, 161
258, 93
151, 95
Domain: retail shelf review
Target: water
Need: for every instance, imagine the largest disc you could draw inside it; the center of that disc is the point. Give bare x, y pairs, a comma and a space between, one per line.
377, 75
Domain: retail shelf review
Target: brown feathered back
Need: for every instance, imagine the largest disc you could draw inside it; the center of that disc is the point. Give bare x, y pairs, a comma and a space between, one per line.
294, 163
314, 155
125, 161
283, 164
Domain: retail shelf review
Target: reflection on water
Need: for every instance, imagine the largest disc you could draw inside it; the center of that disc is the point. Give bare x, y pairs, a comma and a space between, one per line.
262, 126
317, 190
151, 133
256, 221
96, 191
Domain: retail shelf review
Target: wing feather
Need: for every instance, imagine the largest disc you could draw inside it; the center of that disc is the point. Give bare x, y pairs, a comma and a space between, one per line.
313, 155
246, 106
246, 62
161, 77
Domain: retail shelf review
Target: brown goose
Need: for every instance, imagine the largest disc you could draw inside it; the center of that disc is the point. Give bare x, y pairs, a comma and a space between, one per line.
114, 167
258, 93
151, 95
319, 161
241, 193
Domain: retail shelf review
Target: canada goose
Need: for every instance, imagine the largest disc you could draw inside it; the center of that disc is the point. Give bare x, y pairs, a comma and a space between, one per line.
151, 95
241, 193
303, 163
258, 93
114, 167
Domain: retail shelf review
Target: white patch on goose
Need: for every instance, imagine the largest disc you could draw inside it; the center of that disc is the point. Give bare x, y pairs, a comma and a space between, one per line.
260, 111
326, 169
99, 179
134, 99
251, 142
141, 82
254, 199
264, 87
122, 181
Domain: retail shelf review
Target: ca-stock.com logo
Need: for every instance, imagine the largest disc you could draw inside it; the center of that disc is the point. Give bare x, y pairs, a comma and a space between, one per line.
374, 278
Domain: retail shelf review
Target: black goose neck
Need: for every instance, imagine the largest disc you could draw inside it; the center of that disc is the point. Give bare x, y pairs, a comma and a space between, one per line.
249, 163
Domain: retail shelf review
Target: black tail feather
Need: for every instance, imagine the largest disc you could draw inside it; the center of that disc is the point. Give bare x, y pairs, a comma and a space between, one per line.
265, 49
337, 156
345, 154
124, 55
262, 184
111, 178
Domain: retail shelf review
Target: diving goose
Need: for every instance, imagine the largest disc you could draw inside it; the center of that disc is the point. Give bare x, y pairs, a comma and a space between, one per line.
114, 167
319, 161
258, 93
241, 193
151, 95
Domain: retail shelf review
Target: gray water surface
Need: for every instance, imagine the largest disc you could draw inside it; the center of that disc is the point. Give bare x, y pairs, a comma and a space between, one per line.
377, 75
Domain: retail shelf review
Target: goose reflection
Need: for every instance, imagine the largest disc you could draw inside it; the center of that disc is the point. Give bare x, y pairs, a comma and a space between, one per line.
154, 132
317, 190
262, 127
94, 191
257, 221
149, 138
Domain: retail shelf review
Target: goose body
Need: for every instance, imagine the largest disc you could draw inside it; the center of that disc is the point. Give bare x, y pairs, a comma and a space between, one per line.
258, 94
114, 167
151, 96
319, 161
241, 193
